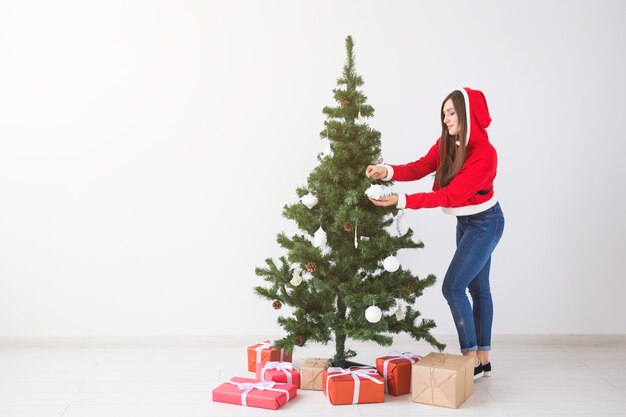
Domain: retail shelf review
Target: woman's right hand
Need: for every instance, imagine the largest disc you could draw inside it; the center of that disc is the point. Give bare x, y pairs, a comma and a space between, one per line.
376, 172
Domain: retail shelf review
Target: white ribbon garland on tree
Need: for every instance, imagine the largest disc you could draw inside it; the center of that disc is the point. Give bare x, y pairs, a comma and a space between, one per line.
360, 372
286, 367
246, 387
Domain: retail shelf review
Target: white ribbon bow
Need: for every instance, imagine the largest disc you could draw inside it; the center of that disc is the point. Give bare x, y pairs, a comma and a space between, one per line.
267, 345
286, 367
259, 349
246, 387
396, 355
360, 372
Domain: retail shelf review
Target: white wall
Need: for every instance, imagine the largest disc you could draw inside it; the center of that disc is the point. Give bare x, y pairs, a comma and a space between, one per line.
147, 149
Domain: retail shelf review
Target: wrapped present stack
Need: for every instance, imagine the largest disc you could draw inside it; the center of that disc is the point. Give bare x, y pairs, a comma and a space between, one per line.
276, 383
437, 379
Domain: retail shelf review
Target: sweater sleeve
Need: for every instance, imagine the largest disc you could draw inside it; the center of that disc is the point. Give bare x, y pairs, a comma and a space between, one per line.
418, 169
468, 181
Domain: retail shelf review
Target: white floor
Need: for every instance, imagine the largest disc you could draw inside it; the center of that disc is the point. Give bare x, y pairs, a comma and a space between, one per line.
533, 375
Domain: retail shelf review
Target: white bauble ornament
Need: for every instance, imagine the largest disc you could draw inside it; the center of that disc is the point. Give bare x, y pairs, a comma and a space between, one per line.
400, 314
401, 224
319, 238
376, 191
391, 264
296, 279
373, 314
309, 200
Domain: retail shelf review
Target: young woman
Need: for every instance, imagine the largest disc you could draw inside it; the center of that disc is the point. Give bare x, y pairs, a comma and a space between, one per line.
465, 165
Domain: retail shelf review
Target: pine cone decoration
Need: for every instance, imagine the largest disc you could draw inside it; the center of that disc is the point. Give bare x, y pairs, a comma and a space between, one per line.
311, 266
344, 103
347, 227
409, 287
277, 304
299, 340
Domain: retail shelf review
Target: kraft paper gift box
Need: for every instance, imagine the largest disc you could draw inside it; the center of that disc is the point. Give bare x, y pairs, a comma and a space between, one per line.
395, 369
353, 386
311, 373
265, 352
254, 393
283, 372
443, 380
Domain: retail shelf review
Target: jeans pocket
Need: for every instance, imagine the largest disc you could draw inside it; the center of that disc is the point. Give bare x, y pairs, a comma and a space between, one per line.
478, 223
477, 220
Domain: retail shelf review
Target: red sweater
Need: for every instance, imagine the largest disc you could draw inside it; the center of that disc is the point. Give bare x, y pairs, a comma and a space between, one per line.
471, 189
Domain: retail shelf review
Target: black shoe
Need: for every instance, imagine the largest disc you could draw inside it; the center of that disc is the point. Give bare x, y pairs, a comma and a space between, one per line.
487, 369
479, 371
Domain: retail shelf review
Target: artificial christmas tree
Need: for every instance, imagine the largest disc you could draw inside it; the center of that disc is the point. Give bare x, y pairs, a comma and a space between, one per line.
347, 273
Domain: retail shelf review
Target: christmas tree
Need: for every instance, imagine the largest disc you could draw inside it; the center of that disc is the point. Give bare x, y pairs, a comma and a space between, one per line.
341, 273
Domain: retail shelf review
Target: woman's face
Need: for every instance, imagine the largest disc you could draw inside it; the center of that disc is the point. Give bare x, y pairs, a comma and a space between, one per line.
450, 118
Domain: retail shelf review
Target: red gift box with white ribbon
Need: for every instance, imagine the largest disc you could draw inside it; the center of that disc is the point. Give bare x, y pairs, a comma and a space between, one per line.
279, 372
396, 370
265, 352
356, 385
254, 393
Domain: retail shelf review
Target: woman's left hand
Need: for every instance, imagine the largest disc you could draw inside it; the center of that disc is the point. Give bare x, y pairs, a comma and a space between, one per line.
390, 200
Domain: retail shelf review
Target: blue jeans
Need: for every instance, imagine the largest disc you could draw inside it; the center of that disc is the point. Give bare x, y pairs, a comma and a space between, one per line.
476, 237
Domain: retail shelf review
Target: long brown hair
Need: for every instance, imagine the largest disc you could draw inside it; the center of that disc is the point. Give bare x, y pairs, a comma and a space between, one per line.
451, 156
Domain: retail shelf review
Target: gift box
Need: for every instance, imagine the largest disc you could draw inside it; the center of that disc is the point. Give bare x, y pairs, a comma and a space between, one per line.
265, 352
443, 380
311, 373
278, 372
353, 386
395, 369
254, 393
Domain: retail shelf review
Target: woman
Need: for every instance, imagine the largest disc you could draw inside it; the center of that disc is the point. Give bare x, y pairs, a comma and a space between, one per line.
465, 164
